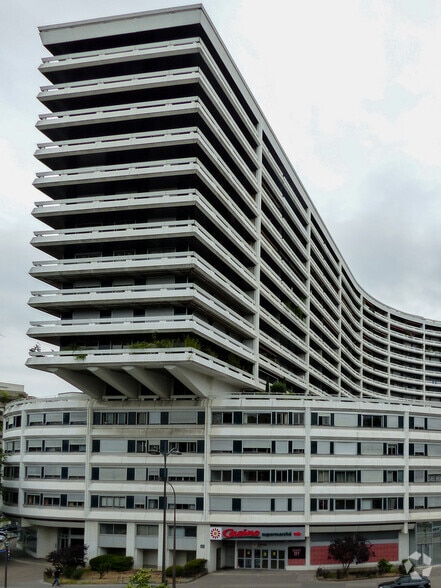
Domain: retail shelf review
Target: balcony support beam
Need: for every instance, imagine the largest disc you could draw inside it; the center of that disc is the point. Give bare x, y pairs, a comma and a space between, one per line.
160, 385
88, 384
118, 380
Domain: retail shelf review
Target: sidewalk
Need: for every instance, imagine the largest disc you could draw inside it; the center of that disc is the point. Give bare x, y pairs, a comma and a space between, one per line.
25, 571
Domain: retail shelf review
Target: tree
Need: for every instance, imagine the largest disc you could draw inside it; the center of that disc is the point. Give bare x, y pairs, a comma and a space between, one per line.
68, 557
350, 549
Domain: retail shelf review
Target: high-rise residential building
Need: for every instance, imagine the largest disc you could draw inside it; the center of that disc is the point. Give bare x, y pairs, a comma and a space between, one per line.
199, 303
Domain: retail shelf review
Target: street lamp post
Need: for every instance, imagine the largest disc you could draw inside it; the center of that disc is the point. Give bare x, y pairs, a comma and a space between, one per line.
174, 535
165, 452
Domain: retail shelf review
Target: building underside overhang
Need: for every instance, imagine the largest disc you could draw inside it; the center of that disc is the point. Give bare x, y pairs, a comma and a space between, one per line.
160, 375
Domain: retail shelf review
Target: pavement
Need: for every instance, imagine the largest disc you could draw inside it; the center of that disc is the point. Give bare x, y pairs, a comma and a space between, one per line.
25, 571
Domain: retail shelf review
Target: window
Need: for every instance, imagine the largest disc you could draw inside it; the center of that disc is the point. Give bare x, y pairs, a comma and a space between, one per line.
222, 418
54, 418
51, 500
393, 421
346, 477
113, 418
419, 449
371, 476
113, 445
322, 504
183, 417
112, 529
345, 448
280, 476
345, 419
112, 501
78, 417
76, 473
184, 446
35, 419
281, 418
371, 504
281, 447
324, 419
419, 423
371, 448
434, 501
394, 476
182, 474
323, 447
32, 472
152, 503
323, 476
257, 418
298, 446
345, 504
183, 531
433, 423
392, 449
153, 474
297, 476
139, 502
222, 446
149, 530
33, 499
256, 475
372, 420
52, 472
142, 418
77, 446
34, 445
12, 472
13, 422
434, 449
112, 474
75, 500
256, 446
418, 476
391, 503
418, 502
298, 418
256, 504
221, 476
12, 446
53, 445
433, 476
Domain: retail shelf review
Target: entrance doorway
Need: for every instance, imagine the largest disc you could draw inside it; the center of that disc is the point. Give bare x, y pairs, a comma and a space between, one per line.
261, 558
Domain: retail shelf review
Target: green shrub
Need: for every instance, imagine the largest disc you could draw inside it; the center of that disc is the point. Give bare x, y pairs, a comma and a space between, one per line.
77, 573
141, 579
104, 563
179, 571
97, 563
278, 386
384, 566
122, 563
194, 567
68, 571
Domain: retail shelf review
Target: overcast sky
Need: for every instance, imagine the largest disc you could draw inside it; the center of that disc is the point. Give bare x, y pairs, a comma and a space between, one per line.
352, 90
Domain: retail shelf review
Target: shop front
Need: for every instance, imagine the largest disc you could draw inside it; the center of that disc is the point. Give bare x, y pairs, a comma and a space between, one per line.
266, 548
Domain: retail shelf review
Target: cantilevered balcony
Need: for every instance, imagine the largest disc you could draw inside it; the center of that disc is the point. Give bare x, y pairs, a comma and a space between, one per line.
142, 296
70, 63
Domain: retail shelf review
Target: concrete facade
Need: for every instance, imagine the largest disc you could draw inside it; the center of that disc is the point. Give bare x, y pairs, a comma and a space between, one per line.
199, 303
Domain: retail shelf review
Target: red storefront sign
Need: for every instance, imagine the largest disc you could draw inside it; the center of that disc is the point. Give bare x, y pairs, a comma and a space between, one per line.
265, 533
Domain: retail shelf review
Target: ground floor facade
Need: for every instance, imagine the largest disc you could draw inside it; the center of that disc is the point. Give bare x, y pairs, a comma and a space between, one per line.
250, 482
253, 547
